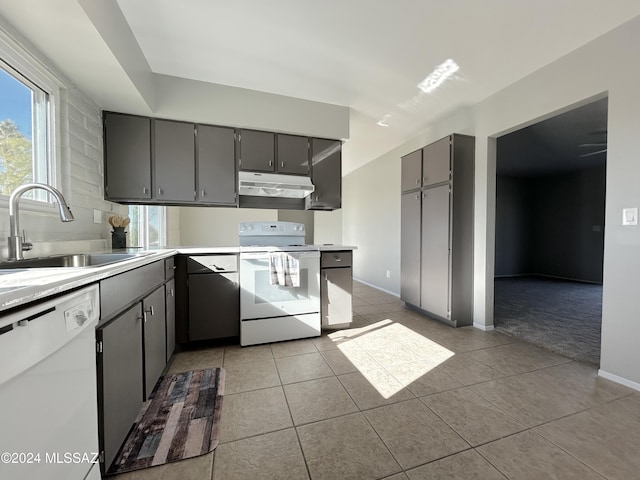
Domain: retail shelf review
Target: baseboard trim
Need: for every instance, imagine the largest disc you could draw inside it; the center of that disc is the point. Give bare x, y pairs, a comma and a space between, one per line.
618, 379
543, 275
377, 287
486, 328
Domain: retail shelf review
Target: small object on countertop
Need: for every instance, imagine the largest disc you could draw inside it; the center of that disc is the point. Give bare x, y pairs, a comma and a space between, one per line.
118, 221
118, 238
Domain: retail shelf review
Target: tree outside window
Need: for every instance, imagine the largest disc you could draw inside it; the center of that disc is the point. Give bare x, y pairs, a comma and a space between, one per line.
24, 152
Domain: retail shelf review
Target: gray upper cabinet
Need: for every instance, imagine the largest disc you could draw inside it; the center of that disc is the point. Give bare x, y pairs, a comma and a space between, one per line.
168, 162
411, 171
326, 174
215, 165
174, 161
127, 153
292, 154
256, 151
436, 162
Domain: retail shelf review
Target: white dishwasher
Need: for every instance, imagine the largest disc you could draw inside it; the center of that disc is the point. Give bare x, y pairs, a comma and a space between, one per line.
48, 401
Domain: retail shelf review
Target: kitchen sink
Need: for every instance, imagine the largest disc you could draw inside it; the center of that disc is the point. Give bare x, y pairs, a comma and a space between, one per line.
70, 260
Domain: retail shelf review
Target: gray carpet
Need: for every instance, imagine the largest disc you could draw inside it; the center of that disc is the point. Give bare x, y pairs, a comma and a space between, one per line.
559, 315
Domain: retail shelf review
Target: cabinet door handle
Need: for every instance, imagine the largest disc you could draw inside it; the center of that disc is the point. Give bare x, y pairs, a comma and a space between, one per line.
417, 181
281, 164
144, 190
203, 193
270, 163
159, 191
337, 259
171, 292
149, 310
417, 196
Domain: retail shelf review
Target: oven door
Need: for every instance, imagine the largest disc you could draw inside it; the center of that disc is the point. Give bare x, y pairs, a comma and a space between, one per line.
260, 299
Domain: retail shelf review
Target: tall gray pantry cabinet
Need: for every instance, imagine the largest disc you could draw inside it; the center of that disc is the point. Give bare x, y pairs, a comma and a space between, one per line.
437, 229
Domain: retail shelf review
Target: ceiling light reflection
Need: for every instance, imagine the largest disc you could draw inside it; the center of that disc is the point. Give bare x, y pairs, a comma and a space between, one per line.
439, 75
383, 122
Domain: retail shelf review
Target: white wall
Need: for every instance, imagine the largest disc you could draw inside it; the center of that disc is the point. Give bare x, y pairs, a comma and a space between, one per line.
604, 65
327, 227
190, 100
217, 227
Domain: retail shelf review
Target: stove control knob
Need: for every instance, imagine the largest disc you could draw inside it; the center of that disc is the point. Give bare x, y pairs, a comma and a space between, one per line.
301, 227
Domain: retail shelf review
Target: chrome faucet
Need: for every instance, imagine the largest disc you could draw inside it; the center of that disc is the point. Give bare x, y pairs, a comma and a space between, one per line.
16, 243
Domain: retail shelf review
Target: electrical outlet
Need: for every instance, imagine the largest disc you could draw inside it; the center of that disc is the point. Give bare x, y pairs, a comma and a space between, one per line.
97, 216
630, 216
388, 273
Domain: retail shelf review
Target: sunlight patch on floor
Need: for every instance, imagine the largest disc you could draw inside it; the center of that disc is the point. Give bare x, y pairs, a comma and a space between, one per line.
407, 353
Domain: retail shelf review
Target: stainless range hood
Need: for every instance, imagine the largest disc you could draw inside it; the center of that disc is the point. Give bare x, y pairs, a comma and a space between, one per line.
274, 185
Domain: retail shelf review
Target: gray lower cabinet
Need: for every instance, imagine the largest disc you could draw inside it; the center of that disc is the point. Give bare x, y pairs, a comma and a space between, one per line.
336, 288
214, 297
434, 273
215, 166
120, 379
326, 175
155, 338
127, 155
410, 246
437, 230
173, 161
134, 342
170, 309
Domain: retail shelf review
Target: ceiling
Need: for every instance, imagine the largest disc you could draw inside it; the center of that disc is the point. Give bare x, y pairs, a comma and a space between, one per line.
367, 55
564, 143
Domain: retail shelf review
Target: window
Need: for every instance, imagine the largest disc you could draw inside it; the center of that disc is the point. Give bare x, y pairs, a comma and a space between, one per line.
25, 150
148, 226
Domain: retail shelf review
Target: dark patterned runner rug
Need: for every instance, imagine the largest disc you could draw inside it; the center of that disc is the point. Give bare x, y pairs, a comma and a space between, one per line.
180, 420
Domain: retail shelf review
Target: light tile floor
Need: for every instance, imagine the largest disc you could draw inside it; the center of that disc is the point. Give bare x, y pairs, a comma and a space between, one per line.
399, 396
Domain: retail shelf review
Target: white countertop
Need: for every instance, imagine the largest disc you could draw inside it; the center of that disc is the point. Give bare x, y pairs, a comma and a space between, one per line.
21, 286
330, 247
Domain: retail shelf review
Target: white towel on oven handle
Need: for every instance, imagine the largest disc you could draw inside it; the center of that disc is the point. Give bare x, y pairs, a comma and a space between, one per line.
284, 269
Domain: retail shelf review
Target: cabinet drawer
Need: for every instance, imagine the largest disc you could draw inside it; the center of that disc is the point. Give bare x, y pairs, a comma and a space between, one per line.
169, 268
121, 290
212, 263
335, 259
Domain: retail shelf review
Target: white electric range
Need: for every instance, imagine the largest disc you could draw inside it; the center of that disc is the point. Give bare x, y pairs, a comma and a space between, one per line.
270, 312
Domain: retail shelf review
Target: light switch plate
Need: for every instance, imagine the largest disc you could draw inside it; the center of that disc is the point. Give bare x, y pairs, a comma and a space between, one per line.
630, 216
97, 216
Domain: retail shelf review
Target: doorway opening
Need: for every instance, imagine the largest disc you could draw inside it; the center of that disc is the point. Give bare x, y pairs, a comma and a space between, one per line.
549, 234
